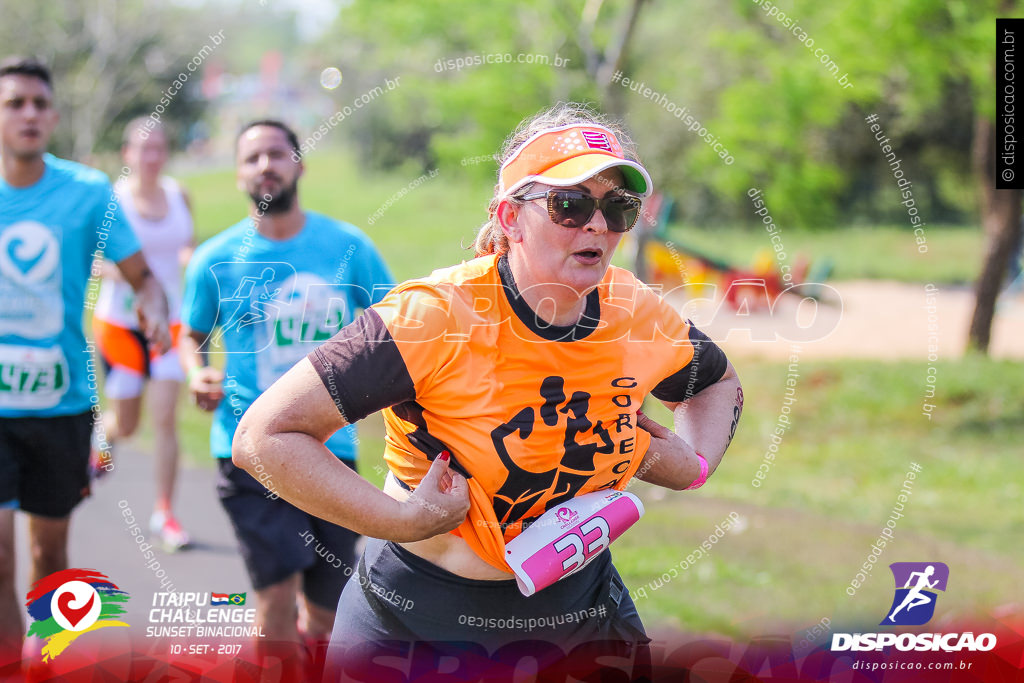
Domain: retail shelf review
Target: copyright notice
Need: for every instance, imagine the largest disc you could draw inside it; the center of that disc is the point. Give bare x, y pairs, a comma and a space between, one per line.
1008, 163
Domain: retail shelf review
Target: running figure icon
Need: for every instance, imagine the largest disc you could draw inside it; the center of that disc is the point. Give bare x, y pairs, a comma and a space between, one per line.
916, 597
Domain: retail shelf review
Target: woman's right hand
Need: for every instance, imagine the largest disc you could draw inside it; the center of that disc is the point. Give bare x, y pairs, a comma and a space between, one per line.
438, 505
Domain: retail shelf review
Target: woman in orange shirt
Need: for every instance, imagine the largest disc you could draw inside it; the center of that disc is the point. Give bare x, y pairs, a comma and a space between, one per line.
511, 385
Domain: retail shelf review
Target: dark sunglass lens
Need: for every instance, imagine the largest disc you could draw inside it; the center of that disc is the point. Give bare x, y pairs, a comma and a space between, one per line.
572, 209
620, 213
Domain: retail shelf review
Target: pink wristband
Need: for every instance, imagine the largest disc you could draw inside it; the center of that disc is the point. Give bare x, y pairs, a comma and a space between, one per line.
699, 481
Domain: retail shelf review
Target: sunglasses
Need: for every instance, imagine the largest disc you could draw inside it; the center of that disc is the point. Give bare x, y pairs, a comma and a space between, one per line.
574, 209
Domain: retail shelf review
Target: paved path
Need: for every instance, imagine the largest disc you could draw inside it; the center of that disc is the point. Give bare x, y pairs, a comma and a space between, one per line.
101, 539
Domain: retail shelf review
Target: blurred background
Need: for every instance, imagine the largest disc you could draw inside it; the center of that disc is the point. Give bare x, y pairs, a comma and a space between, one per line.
387, 92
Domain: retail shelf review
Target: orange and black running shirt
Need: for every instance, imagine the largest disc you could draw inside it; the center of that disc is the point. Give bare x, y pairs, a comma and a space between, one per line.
533, 414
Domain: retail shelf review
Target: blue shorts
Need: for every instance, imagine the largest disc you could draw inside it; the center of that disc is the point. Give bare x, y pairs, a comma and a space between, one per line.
279, 540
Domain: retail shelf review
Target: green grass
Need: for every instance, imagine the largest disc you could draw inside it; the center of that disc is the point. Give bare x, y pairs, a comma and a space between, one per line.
419, 232
856, 253
856, 428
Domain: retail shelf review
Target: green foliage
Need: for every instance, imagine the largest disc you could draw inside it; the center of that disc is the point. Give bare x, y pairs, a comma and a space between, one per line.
782, 104
791, 126
925, 66
110, 63
444, 112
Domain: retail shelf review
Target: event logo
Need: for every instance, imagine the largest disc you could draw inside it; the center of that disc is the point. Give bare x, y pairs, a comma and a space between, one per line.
227, 598
914, 602
69, 603
31, 297
914, 605
567, 517
29, 252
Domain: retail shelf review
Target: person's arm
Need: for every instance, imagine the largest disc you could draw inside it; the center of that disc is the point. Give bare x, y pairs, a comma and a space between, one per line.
109, 270
150, 300
185, 253
703, 424
205, 383
283, 433
200, 307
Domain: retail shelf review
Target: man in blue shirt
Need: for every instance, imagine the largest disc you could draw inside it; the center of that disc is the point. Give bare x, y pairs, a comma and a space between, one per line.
55, 215
264, 293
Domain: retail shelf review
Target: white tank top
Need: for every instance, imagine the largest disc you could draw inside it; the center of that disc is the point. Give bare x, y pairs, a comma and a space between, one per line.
162, 241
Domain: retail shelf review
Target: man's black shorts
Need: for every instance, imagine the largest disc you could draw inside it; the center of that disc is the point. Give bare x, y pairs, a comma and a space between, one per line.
278, 539
44, 463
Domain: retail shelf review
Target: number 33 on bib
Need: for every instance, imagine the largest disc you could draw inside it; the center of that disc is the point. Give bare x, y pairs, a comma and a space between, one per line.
567, 538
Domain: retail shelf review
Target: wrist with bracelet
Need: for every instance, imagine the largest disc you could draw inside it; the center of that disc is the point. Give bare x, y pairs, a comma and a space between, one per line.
699, 481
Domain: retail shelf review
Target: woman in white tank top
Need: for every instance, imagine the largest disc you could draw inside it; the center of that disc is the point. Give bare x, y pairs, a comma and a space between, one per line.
157, 209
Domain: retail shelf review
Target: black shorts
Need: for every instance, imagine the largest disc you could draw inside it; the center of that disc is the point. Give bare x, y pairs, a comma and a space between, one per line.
44, 463
279, 540
399, 601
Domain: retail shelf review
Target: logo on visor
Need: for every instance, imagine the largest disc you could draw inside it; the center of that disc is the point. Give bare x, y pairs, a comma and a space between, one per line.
598, 140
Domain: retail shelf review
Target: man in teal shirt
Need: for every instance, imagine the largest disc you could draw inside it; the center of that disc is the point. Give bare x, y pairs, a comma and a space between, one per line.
265, 292
55, 215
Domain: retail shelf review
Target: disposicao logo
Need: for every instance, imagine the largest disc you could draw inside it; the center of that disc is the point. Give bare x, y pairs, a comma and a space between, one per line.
913, 604
916, 586
68, 603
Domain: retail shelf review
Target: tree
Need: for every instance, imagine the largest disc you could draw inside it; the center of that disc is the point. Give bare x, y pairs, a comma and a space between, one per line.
901, 57
111, 61
1000, 217
452, 103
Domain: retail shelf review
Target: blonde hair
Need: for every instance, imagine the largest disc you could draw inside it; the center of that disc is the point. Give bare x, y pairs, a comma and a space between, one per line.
491, 239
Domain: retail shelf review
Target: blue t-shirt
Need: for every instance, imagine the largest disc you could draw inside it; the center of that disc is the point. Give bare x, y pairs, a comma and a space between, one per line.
48, 234
267, 303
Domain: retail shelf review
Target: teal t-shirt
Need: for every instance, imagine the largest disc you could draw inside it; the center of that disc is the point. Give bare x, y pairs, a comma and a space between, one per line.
49, 232
267, 303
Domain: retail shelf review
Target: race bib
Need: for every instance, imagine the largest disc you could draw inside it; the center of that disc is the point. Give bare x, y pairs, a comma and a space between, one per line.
565, 539
32, 377
306, 312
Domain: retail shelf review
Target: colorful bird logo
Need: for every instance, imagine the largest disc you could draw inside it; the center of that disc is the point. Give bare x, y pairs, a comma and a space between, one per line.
68, 603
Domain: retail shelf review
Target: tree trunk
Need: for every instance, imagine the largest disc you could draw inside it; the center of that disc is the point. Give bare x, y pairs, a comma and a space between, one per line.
613, 61
1001, 220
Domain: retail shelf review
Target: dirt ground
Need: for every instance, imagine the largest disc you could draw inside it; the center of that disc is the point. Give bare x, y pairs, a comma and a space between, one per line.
858, 319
